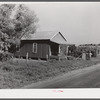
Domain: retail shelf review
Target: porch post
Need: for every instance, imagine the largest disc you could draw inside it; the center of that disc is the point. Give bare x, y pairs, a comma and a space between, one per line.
59, 53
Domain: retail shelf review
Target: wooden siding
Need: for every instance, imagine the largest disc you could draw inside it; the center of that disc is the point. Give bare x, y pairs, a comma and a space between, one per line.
42, 49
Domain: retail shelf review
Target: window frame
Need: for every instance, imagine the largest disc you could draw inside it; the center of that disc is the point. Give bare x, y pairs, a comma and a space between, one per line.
34, 48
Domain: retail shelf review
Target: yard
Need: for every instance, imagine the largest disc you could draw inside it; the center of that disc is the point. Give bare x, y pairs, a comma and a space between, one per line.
16, 73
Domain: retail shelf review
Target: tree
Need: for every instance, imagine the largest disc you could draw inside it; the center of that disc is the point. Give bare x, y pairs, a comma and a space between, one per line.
5, 21
24, 21
15, 21
72, 50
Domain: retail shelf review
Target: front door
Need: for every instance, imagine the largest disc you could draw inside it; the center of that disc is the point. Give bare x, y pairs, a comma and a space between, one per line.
54, 49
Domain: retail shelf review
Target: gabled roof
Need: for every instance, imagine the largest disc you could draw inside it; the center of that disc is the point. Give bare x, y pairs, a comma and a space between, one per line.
44, 36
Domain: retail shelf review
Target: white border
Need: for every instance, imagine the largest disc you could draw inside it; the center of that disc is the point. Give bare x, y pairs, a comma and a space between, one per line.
20, 2
49, 93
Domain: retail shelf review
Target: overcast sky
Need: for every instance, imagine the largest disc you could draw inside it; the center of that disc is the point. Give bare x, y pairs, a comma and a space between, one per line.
79, 22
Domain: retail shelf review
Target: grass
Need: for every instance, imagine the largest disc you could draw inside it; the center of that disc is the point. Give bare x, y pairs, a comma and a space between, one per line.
17, 73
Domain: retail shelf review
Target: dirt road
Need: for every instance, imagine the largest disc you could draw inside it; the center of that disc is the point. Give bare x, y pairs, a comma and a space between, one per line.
82, 78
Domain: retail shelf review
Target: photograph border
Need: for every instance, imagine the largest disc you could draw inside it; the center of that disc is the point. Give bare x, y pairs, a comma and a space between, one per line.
65, 95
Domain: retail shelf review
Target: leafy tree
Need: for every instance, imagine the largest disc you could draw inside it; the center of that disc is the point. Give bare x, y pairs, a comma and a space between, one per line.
24, 21
15, 21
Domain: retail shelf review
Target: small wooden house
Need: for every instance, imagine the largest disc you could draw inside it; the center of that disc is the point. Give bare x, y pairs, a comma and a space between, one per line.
42, 45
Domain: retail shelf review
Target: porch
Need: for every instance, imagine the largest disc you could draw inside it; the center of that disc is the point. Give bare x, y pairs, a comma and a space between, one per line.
56, 52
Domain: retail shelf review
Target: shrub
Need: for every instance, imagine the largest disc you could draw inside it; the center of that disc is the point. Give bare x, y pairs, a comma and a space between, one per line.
4, 56
6, 68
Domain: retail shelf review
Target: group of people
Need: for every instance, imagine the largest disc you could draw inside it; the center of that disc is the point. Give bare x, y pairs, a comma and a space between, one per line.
86, 55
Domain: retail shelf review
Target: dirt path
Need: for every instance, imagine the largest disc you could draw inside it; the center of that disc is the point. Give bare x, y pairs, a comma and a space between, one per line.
82, 78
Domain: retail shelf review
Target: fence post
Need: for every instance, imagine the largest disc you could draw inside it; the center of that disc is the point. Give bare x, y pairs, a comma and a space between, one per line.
47, 57
27, 58
59, 57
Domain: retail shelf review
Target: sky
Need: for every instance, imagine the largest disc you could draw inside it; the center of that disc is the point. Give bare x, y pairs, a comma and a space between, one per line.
79, 22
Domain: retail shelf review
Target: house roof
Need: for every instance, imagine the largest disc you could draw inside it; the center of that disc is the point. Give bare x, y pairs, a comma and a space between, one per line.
44, 36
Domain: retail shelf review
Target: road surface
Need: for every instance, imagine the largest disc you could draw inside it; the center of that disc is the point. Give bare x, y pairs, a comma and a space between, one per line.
83, 78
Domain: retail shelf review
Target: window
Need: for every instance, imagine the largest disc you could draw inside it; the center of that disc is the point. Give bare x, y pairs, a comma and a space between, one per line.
34, 48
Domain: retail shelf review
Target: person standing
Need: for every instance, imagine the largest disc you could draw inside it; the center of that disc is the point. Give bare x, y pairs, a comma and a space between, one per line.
90, 54
84, 56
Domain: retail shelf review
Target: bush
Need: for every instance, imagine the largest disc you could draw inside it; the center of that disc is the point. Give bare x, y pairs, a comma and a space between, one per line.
6, 68
4, 56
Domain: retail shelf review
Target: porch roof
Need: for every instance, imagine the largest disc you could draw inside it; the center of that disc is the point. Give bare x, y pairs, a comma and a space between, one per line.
59, 42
